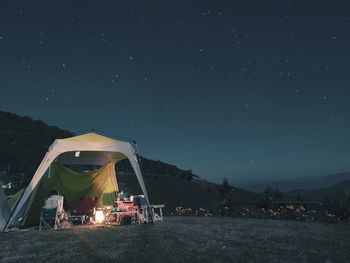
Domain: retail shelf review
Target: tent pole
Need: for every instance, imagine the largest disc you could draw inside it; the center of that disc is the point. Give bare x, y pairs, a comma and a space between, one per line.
13, 210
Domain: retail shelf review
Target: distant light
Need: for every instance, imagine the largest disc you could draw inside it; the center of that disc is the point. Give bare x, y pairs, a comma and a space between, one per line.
77, 154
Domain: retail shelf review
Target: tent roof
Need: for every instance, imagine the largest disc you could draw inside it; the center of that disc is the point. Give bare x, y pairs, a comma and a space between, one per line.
89, 137
95, 149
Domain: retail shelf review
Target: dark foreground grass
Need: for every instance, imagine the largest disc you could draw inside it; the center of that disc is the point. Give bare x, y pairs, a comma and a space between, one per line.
184, 239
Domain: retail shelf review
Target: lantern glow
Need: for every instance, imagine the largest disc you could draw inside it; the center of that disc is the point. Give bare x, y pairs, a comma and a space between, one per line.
99, 216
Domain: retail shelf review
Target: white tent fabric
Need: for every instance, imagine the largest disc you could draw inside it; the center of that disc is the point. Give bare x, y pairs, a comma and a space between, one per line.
90, 142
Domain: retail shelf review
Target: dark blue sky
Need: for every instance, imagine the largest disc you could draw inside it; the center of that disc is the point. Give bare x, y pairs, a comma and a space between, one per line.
248, 90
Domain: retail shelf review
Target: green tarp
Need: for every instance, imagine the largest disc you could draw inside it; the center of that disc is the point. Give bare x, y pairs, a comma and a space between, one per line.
13, 201
73, 186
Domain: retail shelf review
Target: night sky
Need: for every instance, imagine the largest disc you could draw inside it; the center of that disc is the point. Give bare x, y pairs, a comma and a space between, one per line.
248, 90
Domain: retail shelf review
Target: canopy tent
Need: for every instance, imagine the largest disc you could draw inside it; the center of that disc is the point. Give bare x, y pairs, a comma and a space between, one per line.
91, 149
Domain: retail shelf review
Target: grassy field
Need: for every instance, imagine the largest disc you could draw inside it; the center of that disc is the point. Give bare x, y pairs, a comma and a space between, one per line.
184, 239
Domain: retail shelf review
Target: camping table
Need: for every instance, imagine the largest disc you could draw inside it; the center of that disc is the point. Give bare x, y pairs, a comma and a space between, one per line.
75, 218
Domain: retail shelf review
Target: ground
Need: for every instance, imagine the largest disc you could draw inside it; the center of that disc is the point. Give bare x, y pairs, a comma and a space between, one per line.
184, 239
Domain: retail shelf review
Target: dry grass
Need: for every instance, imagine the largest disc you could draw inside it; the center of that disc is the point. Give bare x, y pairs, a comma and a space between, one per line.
184, 239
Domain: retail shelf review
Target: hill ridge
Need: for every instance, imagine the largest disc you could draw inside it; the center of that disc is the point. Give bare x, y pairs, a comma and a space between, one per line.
166, 183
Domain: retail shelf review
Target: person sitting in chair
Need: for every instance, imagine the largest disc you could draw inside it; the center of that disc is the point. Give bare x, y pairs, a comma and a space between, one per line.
55, 200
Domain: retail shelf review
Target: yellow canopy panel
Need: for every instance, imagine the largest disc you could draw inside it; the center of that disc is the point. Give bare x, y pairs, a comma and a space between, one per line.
89, 137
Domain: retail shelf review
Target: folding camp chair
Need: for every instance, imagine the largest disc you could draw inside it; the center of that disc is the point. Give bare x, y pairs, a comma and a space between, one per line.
48, 218
143, 210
